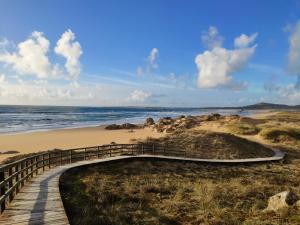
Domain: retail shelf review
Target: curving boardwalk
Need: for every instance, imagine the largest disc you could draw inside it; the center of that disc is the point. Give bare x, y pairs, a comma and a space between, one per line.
39, 201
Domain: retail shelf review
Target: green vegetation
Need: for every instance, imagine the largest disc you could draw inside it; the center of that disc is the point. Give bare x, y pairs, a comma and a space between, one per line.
289, 117
243, 128
281, 134
161, 192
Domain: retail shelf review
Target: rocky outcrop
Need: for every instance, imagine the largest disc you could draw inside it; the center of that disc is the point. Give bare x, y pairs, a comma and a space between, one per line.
149, 122
169, 125
281, 200
122, 126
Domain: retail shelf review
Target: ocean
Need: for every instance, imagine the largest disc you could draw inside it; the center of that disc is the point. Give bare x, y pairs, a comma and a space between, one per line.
18, 119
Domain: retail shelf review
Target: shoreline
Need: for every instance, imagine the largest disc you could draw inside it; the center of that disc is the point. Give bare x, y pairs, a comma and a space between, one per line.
66, 138
251, 113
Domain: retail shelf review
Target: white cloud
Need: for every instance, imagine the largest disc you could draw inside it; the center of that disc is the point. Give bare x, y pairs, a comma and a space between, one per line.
211, 38
2, 79
290, 94
244, 40
71, 50
151, 63
217, 66
75, 84
31, 57
139, 95
152, 58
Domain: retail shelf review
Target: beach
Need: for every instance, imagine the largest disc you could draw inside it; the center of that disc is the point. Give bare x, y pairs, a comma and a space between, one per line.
35, 141
68, 138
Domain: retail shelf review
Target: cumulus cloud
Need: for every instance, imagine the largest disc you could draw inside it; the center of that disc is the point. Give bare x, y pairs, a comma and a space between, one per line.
244, 40
211, 38
217, 66
31, 57
71, 50
294, 52
139, 96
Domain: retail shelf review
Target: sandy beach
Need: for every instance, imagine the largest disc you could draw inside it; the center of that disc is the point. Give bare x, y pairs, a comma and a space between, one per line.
83, 137
68, 138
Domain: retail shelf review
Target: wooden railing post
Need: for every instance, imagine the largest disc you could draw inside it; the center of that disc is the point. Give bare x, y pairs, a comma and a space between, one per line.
60, 156
71, 151
109, 150
143, 149
22, 174
36, 165
31, 167
17, 177
84, 154
2, 190
27, 169
49, 160
10, 183
43, 158
98, 152
164, 146
153, 149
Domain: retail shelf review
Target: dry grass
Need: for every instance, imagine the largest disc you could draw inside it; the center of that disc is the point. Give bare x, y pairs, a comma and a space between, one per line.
212, 145
161, 192
243, 128
281, 134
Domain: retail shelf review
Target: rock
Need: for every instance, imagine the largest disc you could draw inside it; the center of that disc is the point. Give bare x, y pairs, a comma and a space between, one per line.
9, 152
180, 117
149, 121
123, 126
281, 200
112, 127
129, 126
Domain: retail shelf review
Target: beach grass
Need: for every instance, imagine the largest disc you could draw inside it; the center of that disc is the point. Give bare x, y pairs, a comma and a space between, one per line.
162, 192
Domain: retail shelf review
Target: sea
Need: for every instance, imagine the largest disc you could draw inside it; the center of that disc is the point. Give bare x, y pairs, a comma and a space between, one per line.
19, 119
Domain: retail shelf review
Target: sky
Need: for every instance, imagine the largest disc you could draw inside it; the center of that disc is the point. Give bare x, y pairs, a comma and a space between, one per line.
169, 53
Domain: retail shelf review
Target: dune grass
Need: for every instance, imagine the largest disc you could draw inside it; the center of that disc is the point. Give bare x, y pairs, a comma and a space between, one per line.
212, 145
161, 192
281, 134
243, 128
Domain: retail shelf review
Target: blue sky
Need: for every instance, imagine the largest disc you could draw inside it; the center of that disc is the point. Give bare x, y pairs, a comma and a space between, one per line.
145, 53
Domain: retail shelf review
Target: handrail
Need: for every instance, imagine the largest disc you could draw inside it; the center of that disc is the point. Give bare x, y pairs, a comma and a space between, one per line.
13, 176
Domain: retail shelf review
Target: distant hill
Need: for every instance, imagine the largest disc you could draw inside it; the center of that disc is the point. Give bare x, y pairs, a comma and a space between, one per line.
261, 106
264, 105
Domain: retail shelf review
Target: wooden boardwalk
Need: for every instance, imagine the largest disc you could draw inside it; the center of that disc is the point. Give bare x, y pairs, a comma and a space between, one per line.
39, 201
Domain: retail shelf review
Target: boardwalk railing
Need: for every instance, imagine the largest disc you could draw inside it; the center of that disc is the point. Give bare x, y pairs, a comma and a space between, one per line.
13, 176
